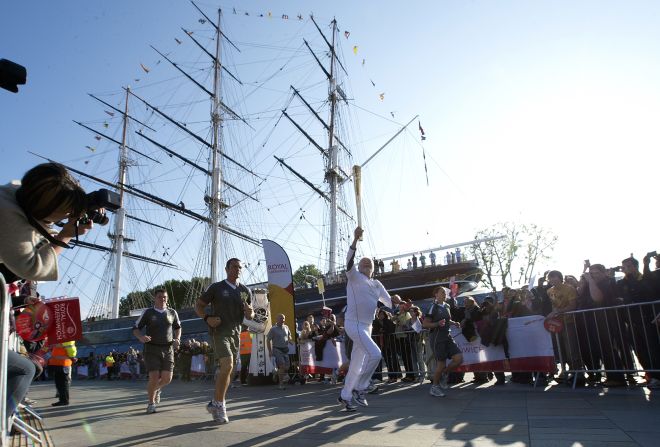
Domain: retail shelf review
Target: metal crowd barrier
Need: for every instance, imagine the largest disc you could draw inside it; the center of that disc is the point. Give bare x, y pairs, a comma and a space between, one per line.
406, 355
615, 341
4, 330
14, 421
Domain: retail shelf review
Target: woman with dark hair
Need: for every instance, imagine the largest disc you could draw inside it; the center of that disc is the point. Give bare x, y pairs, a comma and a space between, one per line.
29, 246
47, 194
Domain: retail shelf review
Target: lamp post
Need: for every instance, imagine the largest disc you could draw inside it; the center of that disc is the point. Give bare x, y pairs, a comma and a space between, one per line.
319, 285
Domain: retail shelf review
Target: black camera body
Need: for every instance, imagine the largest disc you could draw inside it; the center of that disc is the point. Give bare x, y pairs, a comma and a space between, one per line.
97, 200
652, 254
11, 75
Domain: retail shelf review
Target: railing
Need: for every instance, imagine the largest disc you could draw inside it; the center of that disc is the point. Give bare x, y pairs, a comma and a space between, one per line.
5, 308
615, 341
7, 422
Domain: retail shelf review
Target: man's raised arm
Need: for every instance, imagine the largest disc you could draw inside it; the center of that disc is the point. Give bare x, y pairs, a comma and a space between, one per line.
350, 256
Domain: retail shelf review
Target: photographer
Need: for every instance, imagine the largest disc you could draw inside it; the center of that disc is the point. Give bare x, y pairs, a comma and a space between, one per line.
29, 246
47, 194
653, 277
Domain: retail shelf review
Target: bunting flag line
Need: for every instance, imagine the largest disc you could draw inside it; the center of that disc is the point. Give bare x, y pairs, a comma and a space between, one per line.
421, 131
426, 171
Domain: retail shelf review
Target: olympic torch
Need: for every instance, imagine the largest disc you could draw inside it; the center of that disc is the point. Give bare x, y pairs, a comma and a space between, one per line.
357, 179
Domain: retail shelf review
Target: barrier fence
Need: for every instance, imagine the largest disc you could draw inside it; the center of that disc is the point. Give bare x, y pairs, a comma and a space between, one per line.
615, 341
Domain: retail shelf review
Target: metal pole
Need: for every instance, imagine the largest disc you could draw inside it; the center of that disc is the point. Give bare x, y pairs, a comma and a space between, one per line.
120, 216
215, 158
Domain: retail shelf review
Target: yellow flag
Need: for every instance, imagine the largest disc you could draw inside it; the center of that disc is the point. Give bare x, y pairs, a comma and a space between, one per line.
355, 48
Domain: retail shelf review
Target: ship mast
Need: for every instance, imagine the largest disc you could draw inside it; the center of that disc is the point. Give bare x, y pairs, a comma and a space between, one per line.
120, 215
332, 171
216, 148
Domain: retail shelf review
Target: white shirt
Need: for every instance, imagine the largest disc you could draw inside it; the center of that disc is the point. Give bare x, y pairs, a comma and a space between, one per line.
363, 294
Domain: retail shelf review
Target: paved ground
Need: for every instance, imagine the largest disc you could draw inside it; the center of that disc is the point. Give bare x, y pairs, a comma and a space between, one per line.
113, 414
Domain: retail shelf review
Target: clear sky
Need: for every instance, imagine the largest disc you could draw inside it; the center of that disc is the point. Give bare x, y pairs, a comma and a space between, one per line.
541, 112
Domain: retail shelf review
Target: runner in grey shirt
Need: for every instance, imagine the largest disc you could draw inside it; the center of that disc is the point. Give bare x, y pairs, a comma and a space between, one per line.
163, 336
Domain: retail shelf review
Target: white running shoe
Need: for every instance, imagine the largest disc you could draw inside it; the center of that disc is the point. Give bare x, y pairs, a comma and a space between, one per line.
151, 408
436, 391
219, 413
348, 404
360, 398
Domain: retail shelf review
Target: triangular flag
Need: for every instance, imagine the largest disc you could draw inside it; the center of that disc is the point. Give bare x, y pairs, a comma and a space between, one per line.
97, 137
346, 34
177, 41
355, 49
382, 96
202, 21
106, 125
363, 61
373, 83
109, 113
90, 148
146, 70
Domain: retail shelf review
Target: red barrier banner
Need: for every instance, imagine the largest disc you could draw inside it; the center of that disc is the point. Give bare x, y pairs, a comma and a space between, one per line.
65, 323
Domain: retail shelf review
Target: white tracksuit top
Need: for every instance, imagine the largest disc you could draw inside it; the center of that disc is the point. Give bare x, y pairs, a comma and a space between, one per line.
363, 294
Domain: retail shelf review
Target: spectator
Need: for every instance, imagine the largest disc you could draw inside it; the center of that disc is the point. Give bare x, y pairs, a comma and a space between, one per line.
383, 331
278, 339
635, 289
599, 335
564, 299
432, 258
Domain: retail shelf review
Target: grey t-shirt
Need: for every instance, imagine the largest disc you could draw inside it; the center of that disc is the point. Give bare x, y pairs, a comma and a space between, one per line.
438, 313
159, 324
280, 336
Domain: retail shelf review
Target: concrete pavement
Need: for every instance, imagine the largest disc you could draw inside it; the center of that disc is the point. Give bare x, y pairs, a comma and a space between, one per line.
106, 413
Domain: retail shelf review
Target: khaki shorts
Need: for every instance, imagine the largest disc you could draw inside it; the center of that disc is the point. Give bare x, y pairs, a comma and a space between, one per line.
158, 358
225, 345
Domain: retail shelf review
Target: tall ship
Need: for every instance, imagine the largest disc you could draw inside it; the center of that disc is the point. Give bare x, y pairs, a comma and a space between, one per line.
222, 141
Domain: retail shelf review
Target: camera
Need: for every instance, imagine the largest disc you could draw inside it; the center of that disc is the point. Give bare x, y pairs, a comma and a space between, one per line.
101, 199
11, 75
652, 254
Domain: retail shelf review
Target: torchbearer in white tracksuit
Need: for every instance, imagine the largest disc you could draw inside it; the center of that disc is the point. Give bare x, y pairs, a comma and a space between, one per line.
362, 296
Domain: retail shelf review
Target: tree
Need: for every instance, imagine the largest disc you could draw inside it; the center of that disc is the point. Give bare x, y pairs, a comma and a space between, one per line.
181, 294
512, 248
299, 277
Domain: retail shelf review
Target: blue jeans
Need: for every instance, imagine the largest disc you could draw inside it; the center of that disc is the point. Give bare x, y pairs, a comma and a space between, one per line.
20, 372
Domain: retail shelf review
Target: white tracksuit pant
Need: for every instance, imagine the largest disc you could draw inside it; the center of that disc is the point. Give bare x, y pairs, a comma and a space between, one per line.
364, 358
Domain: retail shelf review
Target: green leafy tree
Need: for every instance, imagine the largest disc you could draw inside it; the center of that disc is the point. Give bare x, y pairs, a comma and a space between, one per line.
299, 277
181, 293
513, 249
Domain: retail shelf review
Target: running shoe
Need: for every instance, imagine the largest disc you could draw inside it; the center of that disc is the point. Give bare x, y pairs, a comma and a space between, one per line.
372, 388
219, 413
360, 398
151, 408
436, 391
349, 406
